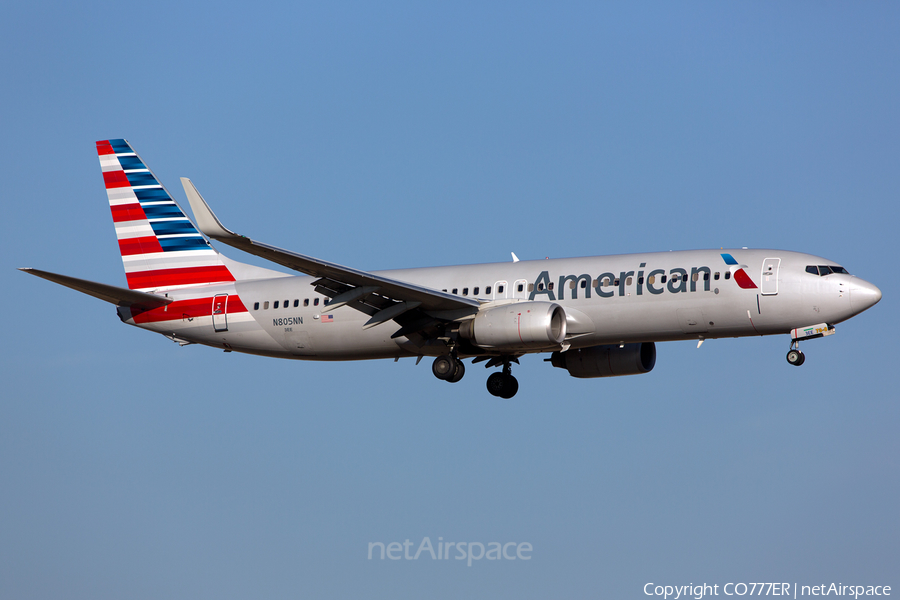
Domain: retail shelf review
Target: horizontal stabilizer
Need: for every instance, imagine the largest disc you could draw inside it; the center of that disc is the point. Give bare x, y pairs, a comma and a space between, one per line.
107, 293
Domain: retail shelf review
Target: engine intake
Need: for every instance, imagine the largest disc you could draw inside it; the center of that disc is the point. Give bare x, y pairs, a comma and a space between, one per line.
517, 326
607, 361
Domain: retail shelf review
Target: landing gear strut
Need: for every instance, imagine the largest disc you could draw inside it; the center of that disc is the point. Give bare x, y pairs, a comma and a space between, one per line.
503, 384
794, 356
448, 368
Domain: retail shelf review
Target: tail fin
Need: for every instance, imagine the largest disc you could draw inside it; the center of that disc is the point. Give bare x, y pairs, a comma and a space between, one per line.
160, 246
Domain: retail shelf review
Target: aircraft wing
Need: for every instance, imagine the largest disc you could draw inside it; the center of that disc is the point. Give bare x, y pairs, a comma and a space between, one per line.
108, 293
381, 298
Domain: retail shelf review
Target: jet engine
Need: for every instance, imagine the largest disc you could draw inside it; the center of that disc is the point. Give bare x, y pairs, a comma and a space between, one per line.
607, 361
517, 326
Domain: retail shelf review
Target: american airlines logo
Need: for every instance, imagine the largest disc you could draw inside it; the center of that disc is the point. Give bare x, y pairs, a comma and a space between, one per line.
676, 280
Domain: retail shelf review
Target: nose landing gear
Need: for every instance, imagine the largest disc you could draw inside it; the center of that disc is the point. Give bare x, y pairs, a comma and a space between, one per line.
794, 356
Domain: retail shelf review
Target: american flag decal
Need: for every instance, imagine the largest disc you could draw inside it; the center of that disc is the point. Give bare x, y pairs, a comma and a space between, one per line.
327, 318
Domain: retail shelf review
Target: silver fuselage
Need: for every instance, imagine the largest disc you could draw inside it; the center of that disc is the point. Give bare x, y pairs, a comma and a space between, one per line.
607, 299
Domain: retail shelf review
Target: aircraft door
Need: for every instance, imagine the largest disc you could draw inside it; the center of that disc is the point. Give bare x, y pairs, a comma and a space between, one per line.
220, 312
769, 277
500, 290
520, 289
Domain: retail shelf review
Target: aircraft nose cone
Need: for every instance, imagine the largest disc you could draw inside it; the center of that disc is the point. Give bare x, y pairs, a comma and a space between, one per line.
863, 295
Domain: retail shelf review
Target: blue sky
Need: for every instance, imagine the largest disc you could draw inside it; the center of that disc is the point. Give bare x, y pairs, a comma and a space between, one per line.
399, 135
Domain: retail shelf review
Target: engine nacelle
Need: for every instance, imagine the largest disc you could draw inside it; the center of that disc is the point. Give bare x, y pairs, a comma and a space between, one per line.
607, 361
517, 326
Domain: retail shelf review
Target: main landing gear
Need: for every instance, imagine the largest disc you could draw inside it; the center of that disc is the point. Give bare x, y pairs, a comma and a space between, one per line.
502, 385
794, 356
448, 368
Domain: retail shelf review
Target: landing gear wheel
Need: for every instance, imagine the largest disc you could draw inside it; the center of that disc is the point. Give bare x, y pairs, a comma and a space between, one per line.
444, 367
512, 386
502, 385
459, 372
795, 357
495, 384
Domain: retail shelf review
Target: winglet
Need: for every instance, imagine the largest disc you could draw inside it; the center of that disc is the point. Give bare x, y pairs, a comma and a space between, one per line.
206, 220
515, 258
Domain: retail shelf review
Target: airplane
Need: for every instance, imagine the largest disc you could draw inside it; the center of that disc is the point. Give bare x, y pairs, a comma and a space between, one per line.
597, 316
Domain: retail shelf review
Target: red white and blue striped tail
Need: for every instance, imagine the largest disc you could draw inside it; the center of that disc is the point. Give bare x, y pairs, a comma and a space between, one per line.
160, 247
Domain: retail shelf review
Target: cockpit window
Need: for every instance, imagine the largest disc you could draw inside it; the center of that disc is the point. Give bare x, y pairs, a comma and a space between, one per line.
823, 270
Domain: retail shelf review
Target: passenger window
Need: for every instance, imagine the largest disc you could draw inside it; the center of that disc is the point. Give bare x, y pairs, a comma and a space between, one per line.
306, 302
628, 280
465, 291
500, 289
275, 305
617, 281
521, 287
727, 274
296, 303
695, 277
256, 306
571, 285
316, 302
287, 303
550, 286
487, 290
651, 280
583, 283
475, 292
456, 290
716, 276
662, 279
540, 287
530, 287
266, 305
705, 276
